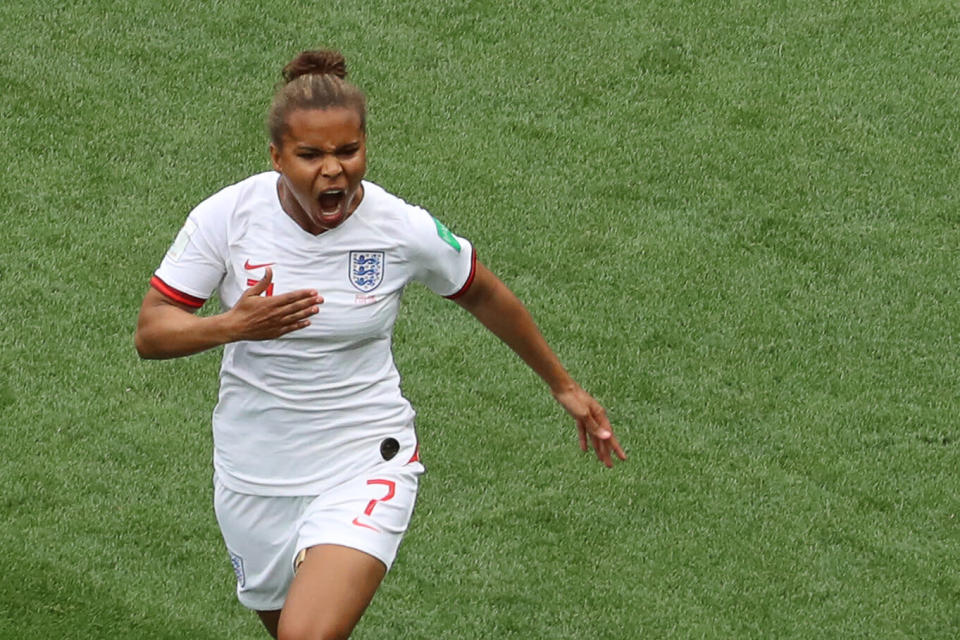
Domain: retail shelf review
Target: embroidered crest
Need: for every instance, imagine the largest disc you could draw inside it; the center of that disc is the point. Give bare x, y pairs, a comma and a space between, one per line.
237, 563
366, 269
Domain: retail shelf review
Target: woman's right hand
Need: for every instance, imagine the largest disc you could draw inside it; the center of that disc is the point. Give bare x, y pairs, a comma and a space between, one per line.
169, 329
259, 317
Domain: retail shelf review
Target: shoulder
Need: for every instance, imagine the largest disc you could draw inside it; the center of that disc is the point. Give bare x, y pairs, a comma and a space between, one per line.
257, 186
391, 211
425, 239
379, 198
230, 202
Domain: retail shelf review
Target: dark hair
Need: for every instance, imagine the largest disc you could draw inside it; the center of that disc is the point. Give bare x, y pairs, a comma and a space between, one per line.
314, 80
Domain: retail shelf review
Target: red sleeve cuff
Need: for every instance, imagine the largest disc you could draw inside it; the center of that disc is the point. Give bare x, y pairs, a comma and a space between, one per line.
179, 296
466, 285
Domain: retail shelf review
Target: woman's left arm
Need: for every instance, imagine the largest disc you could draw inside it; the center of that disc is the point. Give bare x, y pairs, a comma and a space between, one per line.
500, 311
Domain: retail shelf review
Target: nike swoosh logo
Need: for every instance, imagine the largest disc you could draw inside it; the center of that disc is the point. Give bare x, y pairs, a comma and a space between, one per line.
357, 522
247, 265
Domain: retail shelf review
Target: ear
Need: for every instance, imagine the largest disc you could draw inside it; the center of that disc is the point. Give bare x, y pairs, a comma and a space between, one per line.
275, 158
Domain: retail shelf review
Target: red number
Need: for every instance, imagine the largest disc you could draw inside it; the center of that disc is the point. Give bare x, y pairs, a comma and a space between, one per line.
391, 492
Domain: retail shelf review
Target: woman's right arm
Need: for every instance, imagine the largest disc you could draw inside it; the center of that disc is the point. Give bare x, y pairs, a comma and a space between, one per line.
168, 329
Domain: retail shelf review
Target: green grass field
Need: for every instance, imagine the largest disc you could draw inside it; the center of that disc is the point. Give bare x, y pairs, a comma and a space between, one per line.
734, 222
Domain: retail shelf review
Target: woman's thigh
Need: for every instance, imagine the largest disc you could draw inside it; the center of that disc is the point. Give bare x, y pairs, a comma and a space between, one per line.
330, 592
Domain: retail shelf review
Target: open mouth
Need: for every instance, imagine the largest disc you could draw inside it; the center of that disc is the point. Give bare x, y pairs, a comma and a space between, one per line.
331, 201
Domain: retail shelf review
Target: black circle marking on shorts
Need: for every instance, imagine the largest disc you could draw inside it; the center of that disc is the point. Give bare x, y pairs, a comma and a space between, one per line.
389, 448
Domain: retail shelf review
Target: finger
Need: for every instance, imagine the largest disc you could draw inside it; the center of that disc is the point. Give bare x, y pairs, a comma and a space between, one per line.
601, 422
301, 314
301, 296
297, 312
617, 448
588, 429
293, 327
605, 454
602, 449
262, 283
293, 321
582, 433
597, 423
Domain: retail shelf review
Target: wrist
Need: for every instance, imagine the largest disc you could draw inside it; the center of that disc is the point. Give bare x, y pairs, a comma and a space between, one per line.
221, 329
562, 384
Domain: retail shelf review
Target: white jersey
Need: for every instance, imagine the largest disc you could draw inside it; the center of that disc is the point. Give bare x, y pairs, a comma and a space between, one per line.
314, 405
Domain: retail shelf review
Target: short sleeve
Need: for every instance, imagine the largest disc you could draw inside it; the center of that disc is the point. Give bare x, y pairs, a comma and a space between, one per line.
446, 262
195, 263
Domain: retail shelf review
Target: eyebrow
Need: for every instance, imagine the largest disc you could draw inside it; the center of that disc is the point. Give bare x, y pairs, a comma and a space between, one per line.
302, 146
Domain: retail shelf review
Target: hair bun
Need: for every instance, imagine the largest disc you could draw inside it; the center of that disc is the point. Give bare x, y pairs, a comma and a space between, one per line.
319, 61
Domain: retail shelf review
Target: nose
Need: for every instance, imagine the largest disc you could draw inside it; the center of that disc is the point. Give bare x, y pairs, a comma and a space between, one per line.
330, 168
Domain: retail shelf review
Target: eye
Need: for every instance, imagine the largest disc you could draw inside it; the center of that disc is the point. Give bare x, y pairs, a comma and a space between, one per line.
346, 152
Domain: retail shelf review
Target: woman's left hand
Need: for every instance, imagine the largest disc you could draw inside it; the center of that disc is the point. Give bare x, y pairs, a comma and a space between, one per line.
592, 423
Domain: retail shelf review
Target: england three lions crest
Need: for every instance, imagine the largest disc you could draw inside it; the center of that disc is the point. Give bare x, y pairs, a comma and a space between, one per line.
366, 269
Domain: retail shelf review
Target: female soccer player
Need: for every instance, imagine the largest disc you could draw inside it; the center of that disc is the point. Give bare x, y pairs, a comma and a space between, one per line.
315, 455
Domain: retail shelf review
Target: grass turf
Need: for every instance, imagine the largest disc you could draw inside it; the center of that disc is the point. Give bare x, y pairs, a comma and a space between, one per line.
734, 222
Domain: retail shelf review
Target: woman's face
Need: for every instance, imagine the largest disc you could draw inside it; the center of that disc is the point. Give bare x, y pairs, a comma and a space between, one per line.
322, 160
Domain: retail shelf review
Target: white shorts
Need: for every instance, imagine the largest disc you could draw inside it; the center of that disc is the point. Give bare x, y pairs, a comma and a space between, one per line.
264, 534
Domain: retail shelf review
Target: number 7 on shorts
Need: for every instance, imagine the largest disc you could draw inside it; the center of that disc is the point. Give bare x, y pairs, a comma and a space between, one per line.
391, 492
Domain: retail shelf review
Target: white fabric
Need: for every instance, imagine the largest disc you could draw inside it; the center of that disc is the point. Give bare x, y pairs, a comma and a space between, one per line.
264, 534
297, 413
